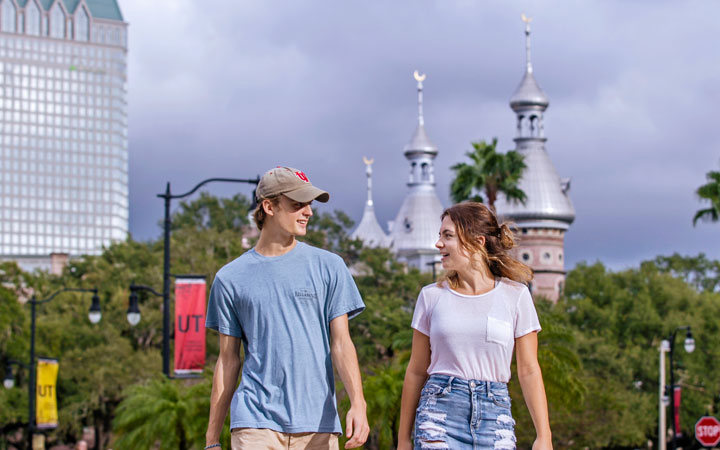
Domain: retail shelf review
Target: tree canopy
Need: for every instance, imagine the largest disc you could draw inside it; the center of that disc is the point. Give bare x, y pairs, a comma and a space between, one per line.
710, 192
598, 348
490, 172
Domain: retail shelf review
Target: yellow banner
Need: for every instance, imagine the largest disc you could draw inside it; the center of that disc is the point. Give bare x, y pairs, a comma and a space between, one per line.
46, 399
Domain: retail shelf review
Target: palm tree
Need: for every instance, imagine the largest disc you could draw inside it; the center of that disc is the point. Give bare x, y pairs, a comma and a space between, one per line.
383, 391
164, 414
709, 191
491, 172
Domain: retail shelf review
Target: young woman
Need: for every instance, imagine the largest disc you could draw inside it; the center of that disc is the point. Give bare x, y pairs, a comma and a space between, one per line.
465, 328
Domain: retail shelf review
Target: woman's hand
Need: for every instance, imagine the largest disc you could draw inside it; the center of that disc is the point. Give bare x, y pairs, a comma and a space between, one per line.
541, 444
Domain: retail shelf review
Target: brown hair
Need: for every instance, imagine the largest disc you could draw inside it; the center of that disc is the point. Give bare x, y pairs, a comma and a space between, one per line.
259, 214
473, 220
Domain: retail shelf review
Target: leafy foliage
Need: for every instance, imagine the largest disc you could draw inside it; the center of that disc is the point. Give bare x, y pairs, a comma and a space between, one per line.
598, 348
709, 191
699, 272
618, 320
210, 212
490, 172
165, 414
330, 231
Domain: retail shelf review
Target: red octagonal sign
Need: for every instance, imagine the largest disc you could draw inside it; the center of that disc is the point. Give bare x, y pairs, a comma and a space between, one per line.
707, 431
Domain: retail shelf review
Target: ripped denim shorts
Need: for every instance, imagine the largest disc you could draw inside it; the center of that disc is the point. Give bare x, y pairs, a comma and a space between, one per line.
462, 414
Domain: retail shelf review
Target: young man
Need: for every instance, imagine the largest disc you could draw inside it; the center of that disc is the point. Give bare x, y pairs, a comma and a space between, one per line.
288, 304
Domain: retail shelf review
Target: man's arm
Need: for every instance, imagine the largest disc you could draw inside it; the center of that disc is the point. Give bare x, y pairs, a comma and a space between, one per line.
345, 361
225, 379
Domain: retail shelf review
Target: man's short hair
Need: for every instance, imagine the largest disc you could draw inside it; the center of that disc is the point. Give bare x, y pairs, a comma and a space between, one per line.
259, 215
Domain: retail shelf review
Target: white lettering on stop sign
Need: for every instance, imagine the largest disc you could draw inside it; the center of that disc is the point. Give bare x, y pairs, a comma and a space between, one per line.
707, 431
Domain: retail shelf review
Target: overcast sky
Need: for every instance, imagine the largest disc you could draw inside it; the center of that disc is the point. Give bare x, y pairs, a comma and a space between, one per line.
232, 88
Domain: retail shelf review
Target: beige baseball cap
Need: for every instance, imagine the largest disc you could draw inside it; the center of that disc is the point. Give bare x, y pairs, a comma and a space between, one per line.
292, 183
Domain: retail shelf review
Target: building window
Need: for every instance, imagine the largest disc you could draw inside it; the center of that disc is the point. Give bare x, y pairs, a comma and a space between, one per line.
8, 16
408, 225
547, 256
560, 256
526, 256
82, 26
32, 16
57, 21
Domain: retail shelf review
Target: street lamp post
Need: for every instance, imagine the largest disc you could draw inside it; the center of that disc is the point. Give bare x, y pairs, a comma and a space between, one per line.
94, 315
689, 346
133, 312
168, 196
9, 380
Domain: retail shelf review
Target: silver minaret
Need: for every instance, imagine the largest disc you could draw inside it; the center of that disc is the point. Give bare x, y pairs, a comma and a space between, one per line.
369, 229
548, 211
414, 232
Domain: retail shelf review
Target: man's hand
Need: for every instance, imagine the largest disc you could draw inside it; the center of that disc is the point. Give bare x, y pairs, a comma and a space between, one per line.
345, 361
404, 445
356, 427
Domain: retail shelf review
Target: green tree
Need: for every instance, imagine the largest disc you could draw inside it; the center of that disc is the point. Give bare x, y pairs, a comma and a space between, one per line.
709, 192
165, 414
619, 319
210, 212
331, 231
697, 271
382, 387
14, 332
598, 347
490, 172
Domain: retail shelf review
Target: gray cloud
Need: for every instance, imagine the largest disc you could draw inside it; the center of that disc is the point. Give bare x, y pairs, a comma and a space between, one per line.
227, 88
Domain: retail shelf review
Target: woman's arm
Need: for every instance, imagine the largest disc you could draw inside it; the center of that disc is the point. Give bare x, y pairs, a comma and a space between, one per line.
533, 389
415, 377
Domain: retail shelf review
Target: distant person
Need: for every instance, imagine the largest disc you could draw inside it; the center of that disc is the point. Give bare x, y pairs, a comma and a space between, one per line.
81, 445
465, 328
288, 305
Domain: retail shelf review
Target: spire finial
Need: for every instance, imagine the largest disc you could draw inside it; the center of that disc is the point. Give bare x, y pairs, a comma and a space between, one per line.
527, 21
420, 78
368, 173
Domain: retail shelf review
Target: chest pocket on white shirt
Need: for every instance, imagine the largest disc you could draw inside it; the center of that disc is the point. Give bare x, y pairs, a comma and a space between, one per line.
499, 331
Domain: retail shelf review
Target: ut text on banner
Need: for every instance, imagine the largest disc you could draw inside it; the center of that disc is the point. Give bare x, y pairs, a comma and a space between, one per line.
189, 325
46, 415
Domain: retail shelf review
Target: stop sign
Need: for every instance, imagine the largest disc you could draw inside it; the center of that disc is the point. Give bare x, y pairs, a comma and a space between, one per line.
707, 431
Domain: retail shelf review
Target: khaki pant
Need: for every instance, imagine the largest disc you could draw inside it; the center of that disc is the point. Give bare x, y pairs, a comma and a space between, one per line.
262, 438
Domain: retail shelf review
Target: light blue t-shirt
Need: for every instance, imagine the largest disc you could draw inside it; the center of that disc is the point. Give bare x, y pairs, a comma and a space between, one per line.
281, 307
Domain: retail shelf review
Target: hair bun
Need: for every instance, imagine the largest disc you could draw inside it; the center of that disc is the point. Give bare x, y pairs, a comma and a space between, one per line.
506, 237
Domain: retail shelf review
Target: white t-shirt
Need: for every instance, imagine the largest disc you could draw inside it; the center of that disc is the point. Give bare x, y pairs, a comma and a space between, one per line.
473, 336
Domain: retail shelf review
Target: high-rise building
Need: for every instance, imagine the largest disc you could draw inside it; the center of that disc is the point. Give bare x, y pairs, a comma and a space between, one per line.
415, 229
548, 212
63, 128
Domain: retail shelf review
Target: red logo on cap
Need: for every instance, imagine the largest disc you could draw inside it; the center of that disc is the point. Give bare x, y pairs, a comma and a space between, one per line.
302, 176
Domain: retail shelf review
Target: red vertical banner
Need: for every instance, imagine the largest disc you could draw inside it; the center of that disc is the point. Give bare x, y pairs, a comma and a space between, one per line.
189, 325
676, 414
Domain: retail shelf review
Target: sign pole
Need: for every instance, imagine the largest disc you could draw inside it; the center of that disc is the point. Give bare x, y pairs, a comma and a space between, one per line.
662, 424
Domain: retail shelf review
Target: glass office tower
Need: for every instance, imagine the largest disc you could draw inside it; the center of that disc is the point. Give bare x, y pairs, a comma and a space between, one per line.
63, 128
